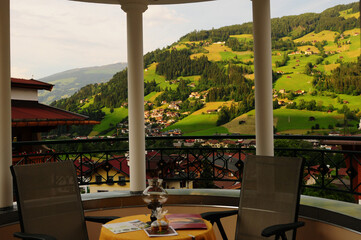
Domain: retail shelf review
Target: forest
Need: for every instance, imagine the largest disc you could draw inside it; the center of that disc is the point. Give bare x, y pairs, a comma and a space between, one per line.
285, 26
344, 79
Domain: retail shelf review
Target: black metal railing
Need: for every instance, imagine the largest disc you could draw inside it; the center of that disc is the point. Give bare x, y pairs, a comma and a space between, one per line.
334, 170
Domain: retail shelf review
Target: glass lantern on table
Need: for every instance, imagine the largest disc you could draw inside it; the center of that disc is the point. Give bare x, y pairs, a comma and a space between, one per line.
154, 196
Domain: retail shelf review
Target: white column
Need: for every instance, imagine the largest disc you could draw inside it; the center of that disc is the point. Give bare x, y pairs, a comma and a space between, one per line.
263, 77
6, 193
136, 95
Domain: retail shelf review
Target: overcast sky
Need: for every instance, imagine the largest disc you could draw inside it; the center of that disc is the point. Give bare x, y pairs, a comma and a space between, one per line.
50, 36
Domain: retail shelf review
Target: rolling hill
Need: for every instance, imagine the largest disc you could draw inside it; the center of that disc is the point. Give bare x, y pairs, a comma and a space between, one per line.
68, 82
203, 83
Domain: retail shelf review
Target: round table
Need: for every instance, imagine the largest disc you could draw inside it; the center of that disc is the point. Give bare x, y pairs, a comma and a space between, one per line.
204, 234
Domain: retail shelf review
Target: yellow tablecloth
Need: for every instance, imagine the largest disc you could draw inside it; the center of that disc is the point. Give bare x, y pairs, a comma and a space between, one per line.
200, 234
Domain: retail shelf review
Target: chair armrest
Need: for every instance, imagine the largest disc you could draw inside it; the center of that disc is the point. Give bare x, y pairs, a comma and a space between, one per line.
280, 229
100, 219
213, 216
33, 236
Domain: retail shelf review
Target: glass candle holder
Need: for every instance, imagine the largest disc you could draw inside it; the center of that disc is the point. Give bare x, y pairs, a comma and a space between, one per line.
154, 196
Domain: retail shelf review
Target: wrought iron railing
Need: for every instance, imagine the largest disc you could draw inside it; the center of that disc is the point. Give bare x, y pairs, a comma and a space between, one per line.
335, 170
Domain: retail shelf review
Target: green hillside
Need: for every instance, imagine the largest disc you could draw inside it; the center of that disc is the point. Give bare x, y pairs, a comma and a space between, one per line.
204, 83
68, 82
108, 124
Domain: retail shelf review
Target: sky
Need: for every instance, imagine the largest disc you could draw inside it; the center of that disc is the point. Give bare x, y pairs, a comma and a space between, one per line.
51, 36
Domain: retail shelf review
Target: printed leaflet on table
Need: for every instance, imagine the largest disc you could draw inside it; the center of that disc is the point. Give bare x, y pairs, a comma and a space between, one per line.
123, 227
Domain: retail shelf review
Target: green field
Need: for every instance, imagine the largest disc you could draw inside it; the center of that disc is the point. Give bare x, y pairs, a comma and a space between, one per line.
321, 36
296, 64
110, 120
248, 127
348, 14
90, 101
242, 36
193, 79
195, 123
152, 96
150, 75
208, 132
289, 119
228, 55
212, 106
354, 102
294, 82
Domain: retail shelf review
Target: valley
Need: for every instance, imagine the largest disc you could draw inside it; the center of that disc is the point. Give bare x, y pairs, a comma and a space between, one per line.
203, 84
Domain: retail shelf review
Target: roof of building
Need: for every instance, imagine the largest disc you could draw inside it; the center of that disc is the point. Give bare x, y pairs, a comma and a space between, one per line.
30, 83
33, 113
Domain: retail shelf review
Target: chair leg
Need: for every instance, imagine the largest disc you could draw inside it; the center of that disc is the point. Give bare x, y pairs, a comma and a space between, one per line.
221, 230
282, 235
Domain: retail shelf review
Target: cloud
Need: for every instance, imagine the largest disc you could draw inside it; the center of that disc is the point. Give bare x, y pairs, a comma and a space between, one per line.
161, 15
21, 72
49, 36
294, 7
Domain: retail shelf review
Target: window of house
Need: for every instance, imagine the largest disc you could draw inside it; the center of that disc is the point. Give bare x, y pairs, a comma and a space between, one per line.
182, 184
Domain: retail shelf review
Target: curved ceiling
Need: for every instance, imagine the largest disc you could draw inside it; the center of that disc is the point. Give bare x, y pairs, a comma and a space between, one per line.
148, 2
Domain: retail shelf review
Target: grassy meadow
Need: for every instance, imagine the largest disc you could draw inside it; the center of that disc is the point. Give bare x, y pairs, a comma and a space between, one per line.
110, 120
209, 132
242, 37
150, 75
195, 123
201, 122
289, 119
354, 102
152, 96
294, 82
246, 128
325, 35
348, 14
89, 102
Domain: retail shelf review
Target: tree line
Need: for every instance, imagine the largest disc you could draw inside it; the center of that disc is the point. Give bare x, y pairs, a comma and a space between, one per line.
178, 63
345, 79
288, 26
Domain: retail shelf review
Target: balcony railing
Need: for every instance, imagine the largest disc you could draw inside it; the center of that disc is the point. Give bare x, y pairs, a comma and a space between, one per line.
336, 170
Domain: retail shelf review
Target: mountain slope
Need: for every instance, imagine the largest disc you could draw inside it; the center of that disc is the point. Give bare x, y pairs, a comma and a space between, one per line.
68, 82
315, 72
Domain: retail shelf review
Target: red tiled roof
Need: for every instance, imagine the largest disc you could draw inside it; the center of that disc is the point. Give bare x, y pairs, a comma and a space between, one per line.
30, 83
32, 113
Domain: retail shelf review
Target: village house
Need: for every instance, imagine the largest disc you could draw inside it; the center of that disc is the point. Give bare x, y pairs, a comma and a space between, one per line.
209, 111
173, 106
281, 102
31, 118
195, 95
299, 92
